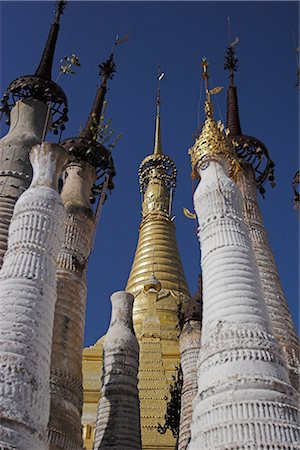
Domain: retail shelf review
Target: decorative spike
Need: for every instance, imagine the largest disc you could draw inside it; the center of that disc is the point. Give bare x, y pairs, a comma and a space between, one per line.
157, 143
233, 120
108, 68
59, 9
208, 108
107, 71
45, 67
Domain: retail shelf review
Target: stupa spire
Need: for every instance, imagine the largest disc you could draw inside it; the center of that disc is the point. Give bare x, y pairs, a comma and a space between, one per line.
257, 169
107, 71
156, 322
249, 148
157, 142
45, 67
231, 64
240, 366
40, 85
86, 147
212, 142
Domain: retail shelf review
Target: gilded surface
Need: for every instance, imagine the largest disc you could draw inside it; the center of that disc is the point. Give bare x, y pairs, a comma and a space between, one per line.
155, 319
213, 140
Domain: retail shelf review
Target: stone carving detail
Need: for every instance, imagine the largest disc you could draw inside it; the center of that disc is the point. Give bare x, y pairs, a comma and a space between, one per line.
64, 428
250, 372
118, 418
26, 127
284, 330
27, 300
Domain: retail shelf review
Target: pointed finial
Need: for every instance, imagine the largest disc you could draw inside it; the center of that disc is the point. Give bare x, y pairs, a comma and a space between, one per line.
157, 143
45, 67
40, 85
59, 9
231, 61
208, 108
107, 71
231, 64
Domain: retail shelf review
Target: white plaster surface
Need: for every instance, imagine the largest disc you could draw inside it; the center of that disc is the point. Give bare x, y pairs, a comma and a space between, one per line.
26, 128
244, 400
282, 323
27, 299
118, 417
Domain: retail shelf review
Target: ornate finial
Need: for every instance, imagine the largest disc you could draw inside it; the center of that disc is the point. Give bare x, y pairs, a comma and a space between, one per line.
45, 67
107, 68
107, 71
40, 86
157, 144
157, 165
213, 141
231, 61
88, 147
208, 107
247, 148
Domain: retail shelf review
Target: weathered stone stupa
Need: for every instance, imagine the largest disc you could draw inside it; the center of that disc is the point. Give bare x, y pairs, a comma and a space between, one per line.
25, 102
89, 160
245, 399
27, 301
118, 418
157, 254
257, 168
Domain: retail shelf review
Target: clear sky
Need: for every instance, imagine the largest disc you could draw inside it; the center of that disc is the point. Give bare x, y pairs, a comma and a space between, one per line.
175, 35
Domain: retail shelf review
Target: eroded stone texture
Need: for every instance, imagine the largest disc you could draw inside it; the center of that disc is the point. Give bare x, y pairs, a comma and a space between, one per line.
189, 345
244, 400
283, 327
27, 300
27, 121
64, 428
118, 417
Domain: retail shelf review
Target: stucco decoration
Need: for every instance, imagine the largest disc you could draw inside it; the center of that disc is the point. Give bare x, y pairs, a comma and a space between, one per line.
282, 322
118, 418
245, 399
27, 300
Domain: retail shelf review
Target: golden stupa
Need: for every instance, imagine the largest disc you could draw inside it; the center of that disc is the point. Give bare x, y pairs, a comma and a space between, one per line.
158, 284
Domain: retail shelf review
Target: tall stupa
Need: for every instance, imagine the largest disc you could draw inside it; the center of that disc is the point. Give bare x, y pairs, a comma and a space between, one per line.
257, 169
33, 104
156, 261
245, 399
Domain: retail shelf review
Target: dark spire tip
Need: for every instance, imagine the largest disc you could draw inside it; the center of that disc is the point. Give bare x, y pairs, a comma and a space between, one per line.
59, 9
231, 61
108, 68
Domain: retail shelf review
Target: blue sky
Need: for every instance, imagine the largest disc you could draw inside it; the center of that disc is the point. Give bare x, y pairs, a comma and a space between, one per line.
175, 35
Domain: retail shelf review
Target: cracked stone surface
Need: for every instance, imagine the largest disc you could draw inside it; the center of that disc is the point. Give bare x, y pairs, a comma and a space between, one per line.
118, 418
27, 300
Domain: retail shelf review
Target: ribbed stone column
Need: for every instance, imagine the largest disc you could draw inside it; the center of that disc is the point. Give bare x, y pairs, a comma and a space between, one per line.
27, 121
27, 300
118, 418
64, 429
189, 344
283, 327
244, 400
